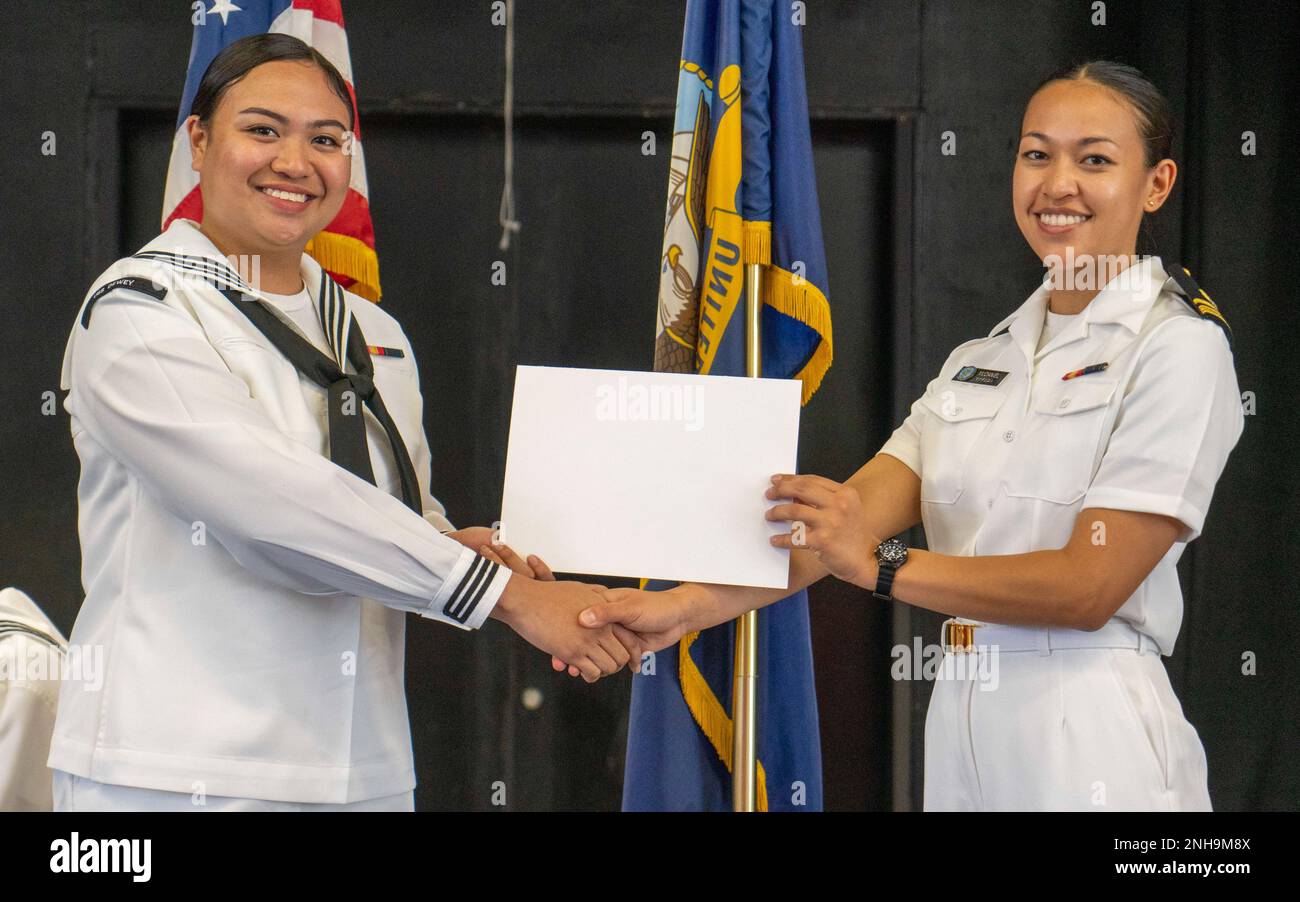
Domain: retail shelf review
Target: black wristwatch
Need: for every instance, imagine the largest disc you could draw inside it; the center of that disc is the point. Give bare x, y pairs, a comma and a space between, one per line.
890, 555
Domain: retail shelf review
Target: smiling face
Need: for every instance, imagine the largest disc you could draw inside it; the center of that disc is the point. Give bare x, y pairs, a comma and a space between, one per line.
1081, 180
271, 162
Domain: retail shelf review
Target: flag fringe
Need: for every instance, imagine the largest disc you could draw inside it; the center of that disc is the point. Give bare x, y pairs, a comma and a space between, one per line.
351, 257
708, 713
797, 297
757, 244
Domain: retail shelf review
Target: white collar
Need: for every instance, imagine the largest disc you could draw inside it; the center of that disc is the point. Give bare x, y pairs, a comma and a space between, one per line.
183, 236
1124, 300
329, 298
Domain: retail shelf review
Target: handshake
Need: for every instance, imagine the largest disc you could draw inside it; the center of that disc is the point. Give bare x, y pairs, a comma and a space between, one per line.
587, 629
594, 631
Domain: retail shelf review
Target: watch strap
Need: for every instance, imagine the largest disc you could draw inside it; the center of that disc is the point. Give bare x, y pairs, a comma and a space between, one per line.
885, 581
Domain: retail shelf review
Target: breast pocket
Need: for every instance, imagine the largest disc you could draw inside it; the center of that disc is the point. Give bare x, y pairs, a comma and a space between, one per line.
1061, 443
388, 368
960, 417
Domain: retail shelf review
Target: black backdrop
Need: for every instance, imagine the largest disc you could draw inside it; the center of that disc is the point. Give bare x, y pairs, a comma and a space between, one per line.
922, 250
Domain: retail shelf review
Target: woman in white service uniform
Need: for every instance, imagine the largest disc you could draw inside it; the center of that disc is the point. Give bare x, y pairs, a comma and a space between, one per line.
255, 511
1060, 465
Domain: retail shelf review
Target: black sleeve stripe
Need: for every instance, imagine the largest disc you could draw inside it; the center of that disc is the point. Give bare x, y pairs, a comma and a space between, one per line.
454, 608
462, 608
469, 571
474, 588
469, 610
143, 286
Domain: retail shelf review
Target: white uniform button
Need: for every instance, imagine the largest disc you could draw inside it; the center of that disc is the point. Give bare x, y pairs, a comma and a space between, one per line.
531, 698
1065, 402
1009, 435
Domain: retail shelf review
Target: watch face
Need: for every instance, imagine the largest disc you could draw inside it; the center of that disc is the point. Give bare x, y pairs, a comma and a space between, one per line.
892, 551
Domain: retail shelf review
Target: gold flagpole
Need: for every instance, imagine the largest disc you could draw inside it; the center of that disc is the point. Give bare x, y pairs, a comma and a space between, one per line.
744, 687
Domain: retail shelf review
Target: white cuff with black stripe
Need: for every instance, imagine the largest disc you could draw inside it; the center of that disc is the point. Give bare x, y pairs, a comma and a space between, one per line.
471, 591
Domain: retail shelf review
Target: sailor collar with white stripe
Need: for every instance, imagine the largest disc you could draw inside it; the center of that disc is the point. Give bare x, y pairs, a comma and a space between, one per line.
1124, 300
183, 246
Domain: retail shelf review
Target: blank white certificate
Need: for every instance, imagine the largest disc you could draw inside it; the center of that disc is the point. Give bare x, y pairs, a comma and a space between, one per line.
658, 475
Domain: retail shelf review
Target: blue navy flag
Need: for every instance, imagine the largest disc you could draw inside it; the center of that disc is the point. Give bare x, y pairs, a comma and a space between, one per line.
741, 190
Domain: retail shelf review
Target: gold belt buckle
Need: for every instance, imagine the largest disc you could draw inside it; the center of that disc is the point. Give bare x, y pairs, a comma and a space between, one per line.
958, 637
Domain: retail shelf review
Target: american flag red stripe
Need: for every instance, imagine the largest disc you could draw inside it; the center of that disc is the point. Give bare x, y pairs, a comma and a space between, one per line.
325, 10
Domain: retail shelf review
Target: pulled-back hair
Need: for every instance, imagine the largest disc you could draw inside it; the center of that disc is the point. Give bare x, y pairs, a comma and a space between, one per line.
239, 58
1150, 108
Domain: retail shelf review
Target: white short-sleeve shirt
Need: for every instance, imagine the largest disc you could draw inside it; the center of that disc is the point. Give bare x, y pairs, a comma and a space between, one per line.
1009, 452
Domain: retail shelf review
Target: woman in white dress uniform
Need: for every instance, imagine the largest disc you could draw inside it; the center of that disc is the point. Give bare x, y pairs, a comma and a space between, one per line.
249, 549
1060, 466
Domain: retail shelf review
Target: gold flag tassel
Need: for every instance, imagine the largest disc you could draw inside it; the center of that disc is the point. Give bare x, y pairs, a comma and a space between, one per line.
348, 256
709, 714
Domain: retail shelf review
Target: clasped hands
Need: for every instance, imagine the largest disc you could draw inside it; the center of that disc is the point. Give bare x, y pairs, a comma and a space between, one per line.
556, 616
594, 631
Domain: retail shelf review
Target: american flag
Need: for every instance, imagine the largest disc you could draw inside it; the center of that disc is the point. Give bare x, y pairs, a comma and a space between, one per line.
346, 247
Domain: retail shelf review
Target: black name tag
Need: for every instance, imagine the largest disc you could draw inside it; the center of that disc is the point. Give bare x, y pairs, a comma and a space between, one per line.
980, 376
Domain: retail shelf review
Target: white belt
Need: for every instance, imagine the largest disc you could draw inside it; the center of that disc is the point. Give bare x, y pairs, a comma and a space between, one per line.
960, 636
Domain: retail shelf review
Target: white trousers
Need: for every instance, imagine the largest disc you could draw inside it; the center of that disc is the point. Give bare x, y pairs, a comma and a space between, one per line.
1079, 729
74, 793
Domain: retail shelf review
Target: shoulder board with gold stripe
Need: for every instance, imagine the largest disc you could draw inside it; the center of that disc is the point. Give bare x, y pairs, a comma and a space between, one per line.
1196, 298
